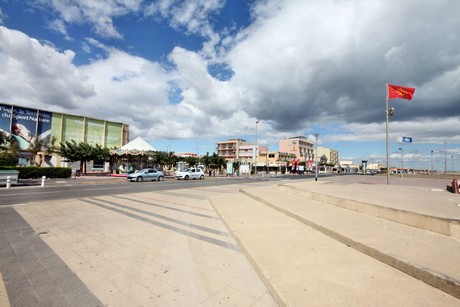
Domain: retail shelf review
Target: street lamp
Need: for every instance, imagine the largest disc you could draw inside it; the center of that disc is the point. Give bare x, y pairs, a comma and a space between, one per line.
255, 153
452, 163
316, 156
445, 157
431, 162
402, 161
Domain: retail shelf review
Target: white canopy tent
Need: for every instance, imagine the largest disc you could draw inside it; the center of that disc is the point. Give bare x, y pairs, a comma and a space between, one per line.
134, 155
138, 144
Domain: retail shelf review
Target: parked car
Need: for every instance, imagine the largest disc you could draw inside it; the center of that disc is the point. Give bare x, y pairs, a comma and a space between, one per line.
190, 173
146, 174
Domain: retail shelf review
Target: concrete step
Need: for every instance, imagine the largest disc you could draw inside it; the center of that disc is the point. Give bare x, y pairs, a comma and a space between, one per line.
419, 207
428, 256
304, 267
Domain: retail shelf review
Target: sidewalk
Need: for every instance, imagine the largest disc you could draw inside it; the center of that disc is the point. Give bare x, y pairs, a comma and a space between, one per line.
257, 244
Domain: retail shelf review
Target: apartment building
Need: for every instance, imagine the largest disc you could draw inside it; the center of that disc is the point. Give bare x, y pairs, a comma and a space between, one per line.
274, 159
300, 146
235, 149
331, 155
238, 149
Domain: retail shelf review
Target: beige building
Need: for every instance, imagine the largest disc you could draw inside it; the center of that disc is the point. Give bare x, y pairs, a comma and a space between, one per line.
300, 146
274, 160
331, 155
230, 149
238, 150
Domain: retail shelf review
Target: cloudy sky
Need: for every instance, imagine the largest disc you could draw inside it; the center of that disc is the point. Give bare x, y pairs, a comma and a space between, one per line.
187, 73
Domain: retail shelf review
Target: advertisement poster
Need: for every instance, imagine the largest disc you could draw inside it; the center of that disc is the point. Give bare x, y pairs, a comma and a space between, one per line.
44, 127
5, 119
23, 126
113, 135
73, 128
95, 131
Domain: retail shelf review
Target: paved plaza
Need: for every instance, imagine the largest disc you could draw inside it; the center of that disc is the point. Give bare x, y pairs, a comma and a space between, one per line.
148, 249
257, 244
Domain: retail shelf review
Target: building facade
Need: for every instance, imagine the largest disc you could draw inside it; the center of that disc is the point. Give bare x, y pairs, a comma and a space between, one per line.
331, 155
300, 146
230, 149
27, 124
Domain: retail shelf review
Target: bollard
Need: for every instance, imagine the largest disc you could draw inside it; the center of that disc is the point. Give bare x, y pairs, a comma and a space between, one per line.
43, 181
8, 182
455, 186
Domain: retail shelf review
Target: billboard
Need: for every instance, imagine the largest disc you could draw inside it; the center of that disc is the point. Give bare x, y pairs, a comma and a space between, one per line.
26, 124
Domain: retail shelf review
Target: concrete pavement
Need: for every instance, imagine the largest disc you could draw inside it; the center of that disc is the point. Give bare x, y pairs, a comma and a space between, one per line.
259, 244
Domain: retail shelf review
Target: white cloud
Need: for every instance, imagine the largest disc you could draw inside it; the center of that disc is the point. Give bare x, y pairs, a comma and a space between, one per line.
193, 15
300, 63
2, 17
37, 73
99, 14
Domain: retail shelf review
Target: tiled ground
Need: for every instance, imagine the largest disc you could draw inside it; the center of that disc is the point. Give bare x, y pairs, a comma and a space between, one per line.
149, 249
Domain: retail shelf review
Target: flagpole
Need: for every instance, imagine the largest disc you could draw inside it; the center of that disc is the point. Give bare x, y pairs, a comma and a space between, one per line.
387, 144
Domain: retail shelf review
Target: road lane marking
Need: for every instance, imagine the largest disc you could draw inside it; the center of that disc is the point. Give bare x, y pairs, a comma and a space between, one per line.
16, 194
118, 188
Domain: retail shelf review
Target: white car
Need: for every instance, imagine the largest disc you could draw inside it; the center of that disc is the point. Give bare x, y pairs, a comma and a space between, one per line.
190, 173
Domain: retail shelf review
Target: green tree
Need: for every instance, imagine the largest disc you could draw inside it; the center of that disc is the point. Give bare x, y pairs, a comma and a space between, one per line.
218, 161
163, 158
172, 159
323, 160
4, 141
9, 150
206, 161
34, 148
192, 161
83, 153
51, 147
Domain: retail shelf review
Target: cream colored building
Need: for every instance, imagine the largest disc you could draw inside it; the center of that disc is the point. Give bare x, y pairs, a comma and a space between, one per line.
331, 155
300, 146
274, 160
238, 150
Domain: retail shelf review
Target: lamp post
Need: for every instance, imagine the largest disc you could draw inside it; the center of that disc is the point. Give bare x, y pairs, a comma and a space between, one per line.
452, 156
445, 157
316, 156
255, 154
431, 162
402, 161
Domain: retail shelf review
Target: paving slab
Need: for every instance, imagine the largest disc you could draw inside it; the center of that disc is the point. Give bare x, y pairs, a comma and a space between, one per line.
145, 249
428, 256
420, 206
304, 267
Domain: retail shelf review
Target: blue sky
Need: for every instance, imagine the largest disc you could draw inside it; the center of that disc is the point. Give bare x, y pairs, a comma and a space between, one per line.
186, 74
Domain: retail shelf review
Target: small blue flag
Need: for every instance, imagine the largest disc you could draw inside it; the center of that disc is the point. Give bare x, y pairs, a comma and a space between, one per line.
406, 139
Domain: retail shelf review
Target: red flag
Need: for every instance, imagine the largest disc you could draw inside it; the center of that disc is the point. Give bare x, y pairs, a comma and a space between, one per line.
404, 92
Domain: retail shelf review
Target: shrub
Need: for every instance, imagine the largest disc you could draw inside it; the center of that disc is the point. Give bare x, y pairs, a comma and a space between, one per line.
36, 172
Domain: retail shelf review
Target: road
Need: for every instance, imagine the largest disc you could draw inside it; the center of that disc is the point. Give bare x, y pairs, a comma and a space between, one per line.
76, 188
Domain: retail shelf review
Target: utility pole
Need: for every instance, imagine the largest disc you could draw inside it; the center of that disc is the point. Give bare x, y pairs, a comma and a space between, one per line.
316, 156
445, 157
255, 154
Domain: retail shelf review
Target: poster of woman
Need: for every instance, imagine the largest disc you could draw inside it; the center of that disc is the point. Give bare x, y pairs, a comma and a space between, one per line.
23, 126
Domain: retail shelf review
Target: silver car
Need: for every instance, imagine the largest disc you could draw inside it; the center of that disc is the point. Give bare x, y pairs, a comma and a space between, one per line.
146, 174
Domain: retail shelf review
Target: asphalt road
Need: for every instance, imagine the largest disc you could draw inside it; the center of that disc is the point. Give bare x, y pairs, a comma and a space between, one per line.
89, 187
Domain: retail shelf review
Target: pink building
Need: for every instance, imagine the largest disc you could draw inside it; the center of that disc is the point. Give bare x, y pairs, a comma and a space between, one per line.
299, 146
